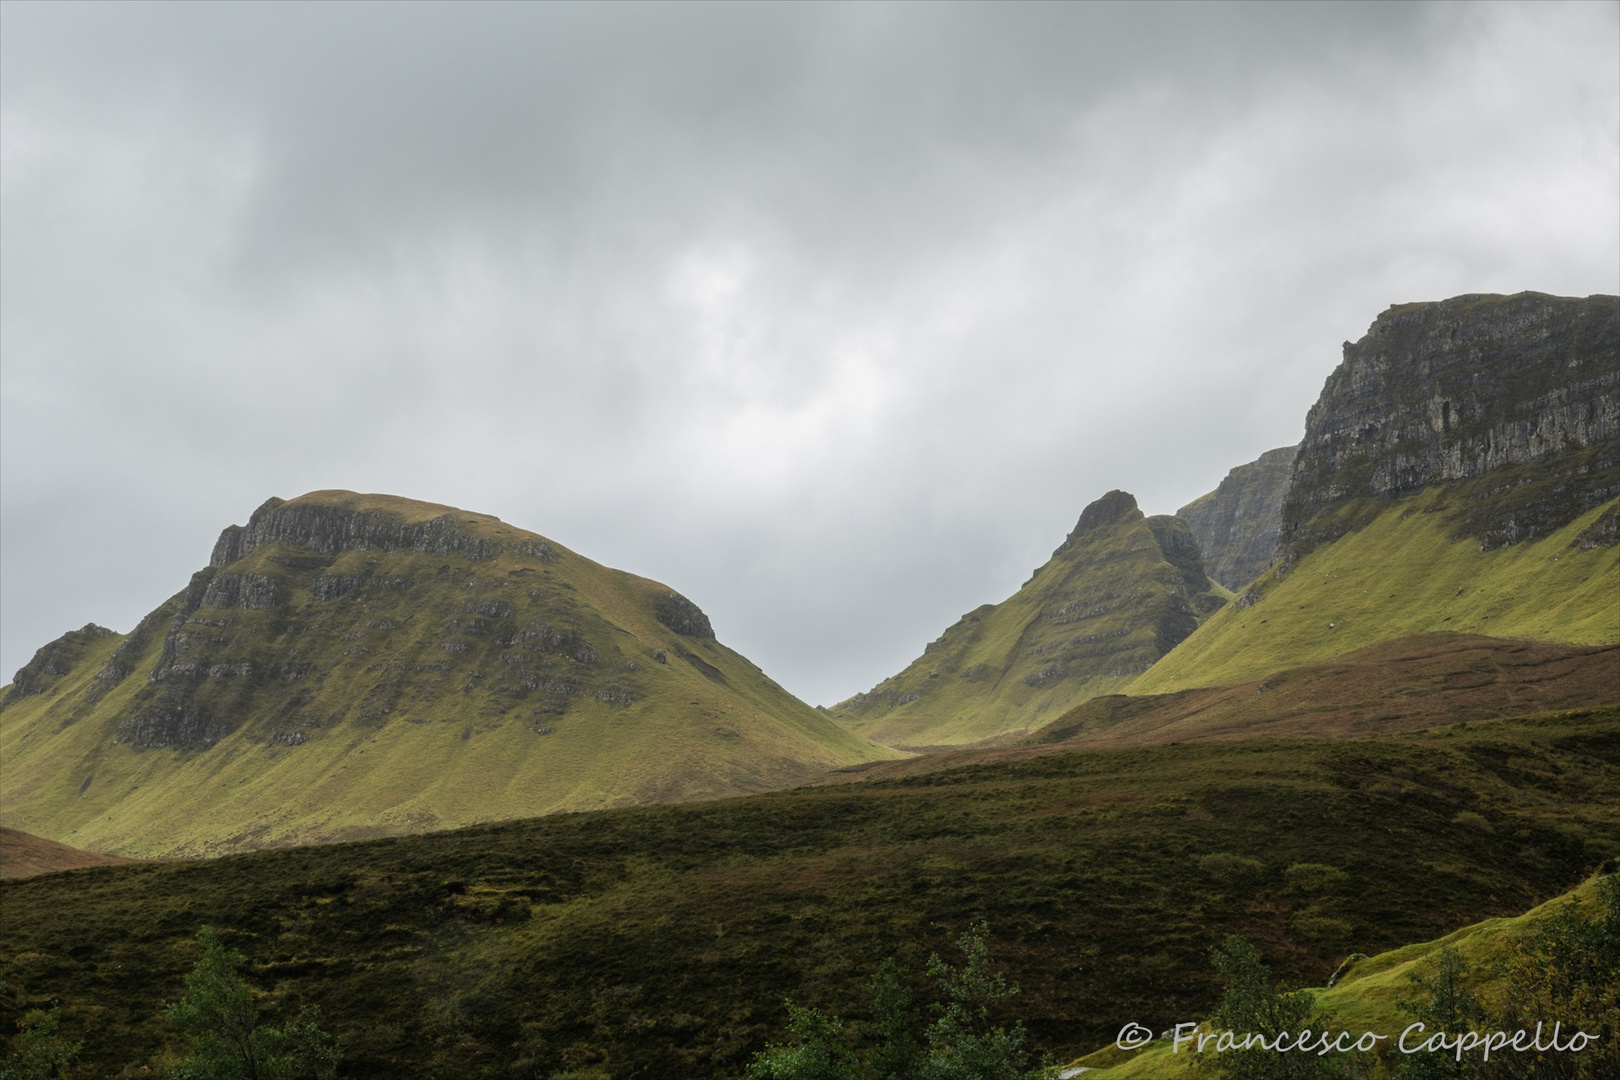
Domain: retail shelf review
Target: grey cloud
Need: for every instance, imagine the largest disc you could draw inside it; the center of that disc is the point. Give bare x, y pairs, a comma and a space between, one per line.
832, 316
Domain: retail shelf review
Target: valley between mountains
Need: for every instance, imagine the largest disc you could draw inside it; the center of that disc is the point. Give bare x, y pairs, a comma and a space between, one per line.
499, 810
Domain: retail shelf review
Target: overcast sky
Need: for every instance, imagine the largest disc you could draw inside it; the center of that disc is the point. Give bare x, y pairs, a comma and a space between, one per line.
832, 317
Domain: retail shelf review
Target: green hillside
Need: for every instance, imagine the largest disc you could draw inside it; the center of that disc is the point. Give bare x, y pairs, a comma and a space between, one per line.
660, 941
360, 665
1368, 992
1404, 571
1119, 593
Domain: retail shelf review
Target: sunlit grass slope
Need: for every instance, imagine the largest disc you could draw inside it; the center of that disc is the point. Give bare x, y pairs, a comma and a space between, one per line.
660, 941
1366, 996
1119, 593
1403, 573
320, 690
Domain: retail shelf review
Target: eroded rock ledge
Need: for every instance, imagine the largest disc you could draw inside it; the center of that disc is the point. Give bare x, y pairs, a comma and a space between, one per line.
1462, 389
331, 530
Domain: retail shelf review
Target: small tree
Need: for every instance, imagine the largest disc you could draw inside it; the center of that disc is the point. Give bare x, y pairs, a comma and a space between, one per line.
40, 1051
1253, 1004
1567, 968
1447, 1003
961, 1043
220, 1019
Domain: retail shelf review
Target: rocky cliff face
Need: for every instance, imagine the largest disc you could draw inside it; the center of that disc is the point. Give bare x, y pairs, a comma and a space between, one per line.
310, 587
1119, 592
1513, 401
330, 529
1236, 524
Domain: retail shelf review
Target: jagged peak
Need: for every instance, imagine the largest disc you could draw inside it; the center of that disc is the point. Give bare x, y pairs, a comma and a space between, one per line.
1114, 507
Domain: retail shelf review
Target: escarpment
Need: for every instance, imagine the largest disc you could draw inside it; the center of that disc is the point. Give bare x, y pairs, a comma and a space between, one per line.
1511, 402
1236, 524
331, 529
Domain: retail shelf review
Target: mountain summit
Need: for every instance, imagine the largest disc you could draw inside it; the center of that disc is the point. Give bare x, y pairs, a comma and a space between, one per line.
354, 665
1120, 591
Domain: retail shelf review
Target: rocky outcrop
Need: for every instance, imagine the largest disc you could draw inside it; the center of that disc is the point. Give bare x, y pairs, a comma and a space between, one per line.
1236, 524
332, 529
1460, 392
682, 616
1110, 509
53, 661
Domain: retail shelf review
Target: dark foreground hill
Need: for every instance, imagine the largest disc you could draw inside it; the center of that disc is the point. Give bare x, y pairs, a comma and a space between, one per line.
363, 665
660, 941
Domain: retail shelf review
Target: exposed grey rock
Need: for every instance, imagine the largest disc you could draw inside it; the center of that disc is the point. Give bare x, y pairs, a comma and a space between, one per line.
330, 588
682, 616
250, 591
1236, 524
1181, 550
331, 530
1463, 390
169, 726
1604, 532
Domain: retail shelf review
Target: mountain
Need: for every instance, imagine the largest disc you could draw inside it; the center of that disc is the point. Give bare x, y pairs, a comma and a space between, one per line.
1459, 473
1121, 591
358, 665
1236, 524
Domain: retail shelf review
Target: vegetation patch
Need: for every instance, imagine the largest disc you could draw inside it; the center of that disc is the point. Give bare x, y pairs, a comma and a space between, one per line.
661, 941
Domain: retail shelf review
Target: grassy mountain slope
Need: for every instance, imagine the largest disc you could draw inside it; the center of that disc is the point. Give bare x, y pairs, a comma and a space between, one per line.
659, 941
359, 665
1121, 592
1404, 571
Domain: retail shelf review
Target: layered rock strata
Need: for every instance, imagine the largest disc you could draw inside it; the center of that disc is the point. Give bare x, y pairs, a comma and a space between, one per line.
1512, 401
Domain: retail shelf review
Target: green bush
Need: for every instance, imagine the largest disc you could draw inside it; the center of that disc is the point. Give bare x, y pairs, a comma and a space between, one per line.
1314, 878
960, 1044
220, 1019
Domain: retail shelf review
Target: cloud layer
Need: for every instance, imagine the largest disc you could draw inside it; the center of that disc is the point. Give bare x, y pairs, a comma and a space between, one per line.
831, 316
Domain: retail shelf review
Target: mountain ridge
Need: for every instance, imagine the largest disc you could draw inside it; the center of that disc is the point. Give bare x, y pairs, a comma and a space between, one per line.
1119, 592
